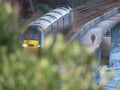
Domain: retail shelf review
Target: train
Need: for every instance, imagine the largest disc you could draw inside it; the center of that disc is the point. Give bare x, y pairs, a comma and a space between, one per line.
55, 21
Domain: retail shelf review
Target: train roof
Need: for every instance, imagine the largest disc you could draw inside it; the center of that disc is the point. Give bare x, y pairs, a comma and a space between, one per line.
45, 21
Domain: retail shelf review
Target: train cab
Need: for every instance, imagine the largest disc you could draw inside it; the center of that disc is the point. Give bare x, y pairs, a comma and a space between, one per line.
33, 39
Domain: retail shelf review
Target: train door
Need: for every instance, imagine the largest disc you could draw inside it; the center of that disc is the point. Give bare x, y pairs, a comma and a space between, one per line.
54, 28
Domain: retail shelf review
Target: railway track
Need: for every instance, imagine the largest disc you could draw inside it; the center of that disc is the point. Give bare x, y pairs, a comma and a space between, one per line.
84, 14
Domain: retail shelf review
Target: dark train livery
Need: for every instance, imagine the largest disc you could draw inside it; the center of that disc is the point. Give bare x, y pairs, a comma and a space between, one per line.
57, 20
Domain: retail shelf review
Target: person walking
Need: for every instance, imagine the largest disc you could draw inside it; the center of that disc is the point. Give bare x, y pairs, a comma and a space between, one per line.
93, 38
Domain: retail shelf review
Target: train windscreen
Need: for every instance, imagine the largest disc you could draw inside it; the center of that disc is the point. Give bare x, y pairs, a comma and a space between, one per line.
31, 37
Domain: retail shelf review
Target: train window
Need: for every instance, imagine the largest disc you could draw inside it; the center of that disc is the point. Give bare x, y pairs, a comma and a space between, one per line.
51, 16
31, 36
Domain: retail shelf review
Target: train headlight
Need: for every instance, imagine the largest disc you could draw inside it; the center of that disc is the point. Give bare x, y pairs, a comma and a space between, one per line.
24, 45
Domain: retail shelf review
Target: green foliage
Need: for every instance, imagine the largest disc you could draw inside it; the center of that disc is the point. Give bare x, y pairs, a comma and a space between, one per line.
60, 66
7, 27
44, 8
74, 63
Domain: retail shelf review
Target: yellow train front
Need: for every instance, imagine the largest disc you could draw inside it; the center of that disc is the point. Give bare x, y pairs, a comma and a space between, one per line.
32, 39
31, 45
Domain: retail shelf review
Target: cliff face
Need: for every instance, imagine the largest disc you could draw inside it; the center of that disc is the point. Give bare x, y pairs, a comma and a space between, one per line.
28, 7
25, 7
